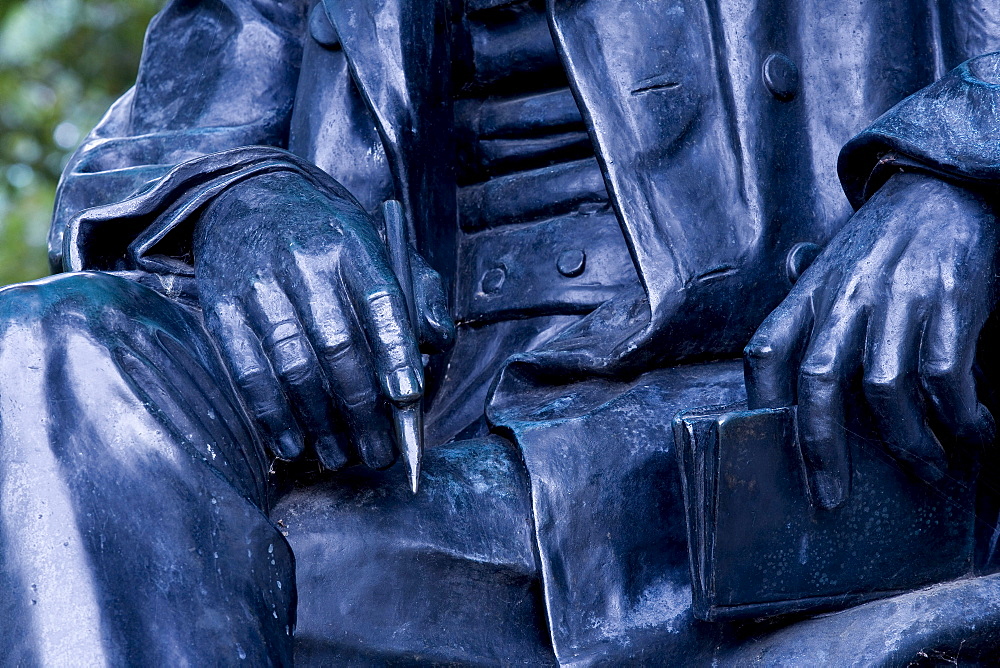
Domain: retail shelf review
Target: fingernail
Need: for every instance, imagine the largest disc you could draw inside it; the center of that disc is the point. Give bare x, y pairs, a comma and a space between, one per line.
404, 385
827, 489
446, 324
330, 454
441, 315
289, 445
376, 452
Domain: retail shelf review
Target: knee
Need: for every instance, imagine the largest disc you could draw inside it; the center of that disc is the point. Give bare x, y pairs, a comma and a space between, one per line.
20, 304
92, 312
26, 303
77, 300
35, 319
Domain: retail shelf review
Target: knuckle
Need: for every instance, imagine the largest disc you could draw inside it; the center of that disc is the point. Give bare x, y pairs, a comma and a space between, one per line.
223, 312
254, 379
938, 373
289, 353
880, 387
297, 371
318, 259
356, 400
271, 416
281, 332
819, 373
332, 352
383, 297
760, 351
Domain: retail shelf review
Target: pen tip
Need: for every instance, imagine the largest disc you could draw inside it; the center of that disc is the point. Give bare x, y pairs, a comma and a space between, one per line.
414, 479
413, 456
409, 430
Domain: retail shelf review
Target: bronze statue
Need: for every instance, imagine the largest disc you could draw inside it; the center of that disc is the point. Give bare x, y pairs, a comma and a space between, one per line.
608, 201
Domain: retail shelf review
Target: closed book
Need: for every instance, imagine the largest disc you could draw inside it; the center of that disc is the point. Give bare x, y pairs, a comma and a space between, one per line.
758, 546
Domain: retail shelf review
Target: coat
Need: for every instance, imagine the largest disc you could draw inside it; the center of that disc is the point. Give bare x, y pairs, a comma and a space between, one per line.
718, 144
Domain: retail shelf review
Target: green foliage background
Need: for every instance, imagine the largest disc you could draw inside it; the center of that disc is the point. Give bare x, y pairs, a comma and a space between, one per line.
62, 64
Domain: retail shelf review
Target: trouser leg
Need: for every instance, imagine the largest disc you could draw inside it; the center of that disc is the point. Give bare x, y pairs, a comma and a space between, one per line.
132, 492
446, 577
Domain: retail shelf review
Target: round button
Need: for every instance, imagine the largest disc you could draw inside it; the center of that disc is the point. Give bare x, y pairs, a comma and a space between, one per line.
590, 208
781, 76
571, 263
800, 257
493, 280
321, 28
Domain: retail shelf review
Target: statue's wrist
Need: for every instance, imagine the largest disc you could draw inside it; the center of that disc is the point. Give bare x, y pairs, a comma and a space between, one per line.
234, 212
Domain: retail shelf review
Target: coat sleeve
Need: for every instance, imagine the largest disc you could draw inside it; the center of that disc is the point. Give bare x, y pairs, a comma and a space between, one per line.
211, 105
950, 128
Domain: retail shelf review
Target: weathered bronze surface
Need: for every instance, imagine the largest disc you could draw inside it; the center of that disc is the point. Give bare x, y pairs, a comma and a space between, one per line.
622, 211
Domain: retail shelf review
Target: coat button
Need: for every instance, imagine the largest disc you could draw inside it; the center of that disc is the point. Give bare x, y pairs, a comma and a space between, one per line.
571, 263
781, 76
321, 28
493, 280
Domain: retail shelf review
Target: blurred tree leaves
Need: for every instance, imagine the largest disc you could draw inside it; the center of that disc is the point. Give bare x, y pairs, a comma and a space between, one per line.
62, 64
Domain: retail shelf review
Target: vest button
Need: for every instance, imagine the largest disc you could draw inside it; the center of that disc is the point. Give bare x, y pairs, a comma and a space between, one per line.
493, 280
781, 76
571, 263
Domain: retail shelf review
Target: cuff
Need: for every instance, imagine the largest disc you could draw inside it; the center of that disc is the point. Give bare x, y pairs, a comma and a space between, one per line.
950, 129
152, 230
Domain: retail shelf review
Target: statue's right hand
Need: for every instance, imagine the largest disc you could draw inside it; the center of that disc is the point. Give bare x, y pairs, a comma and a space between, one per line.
300, 297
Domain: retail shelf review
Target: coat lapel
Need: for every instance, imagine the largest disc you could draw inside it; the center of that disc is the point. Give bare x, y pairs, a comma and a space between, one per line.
399, 55
648, 78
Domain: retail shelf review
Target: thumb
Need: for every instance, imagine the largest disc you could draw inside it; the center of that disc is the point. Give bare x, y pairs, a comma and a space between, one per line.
436, 328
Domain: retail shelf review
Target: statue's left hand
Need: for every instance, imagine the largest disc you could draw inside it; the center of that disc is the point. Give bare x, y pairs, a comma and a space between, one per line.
900, 297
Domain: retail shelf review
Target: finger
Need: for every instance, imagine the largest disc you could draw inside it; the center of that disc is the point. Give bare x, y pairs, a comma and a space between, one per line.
771, 359
211, 404
283, 340
826, 369
343, 355
890, 387
947, 354
217, 414
253, 375
436, 326
381, 310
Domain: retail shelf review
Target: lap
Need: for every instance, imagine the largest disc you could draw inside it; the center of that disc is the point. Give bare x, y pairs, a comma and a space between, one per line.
131, 489
119, 367
448, 575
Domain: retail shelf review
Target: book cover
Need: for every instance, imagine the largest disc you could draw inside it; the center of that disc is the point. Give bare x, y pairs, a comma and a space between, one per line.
757, 545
